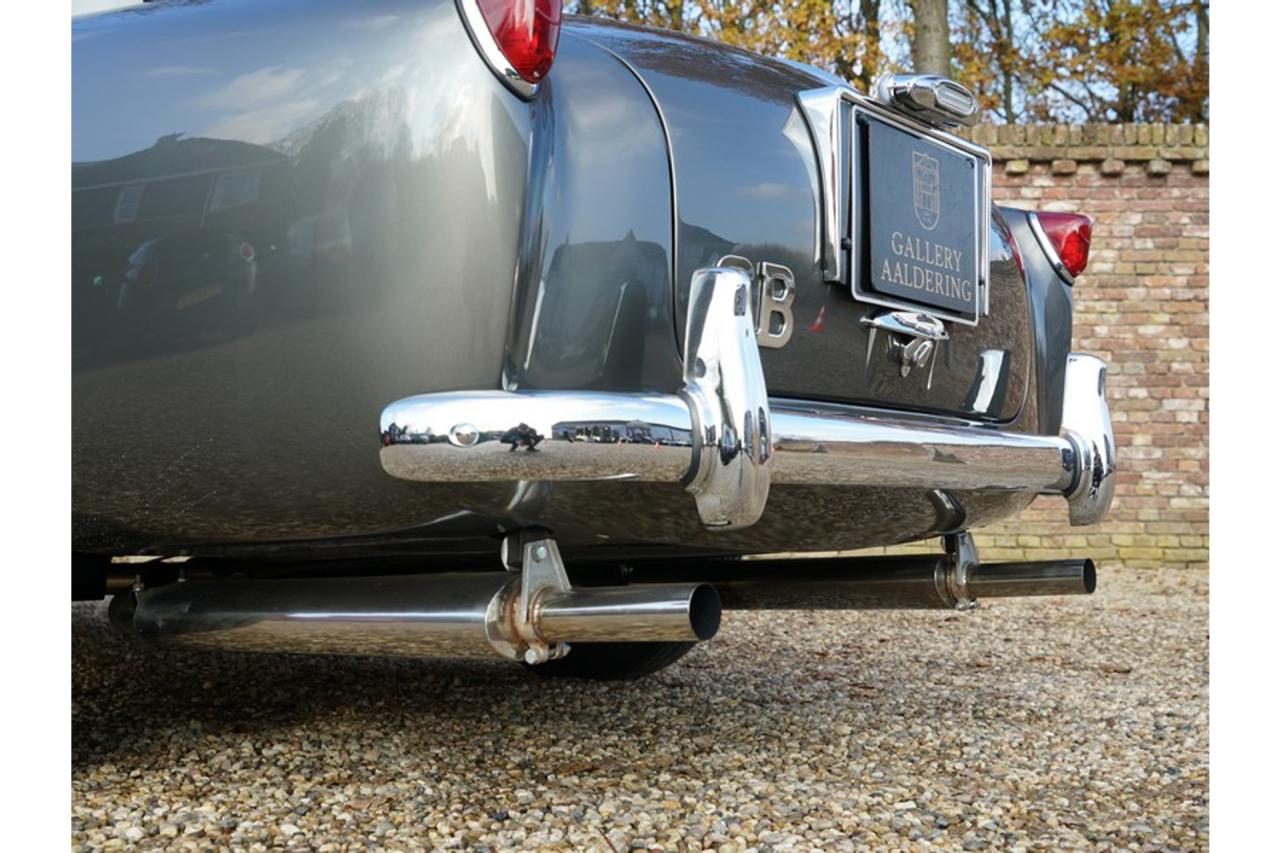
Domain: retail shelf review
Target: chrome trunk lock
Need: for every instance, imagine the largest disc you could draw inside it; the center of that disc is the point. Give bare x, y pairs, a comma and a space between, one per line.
913, 337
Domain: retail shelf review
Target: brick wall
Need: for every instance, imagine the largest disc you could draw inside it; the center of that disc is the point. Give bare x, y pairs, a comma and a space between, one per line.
1143, 306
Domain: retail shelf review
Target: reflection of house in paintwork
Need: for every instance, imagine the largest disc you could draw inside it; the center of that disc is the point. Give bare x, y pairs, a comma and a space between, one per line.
702, 248
621, 432
589, 322
183, 182
176, 188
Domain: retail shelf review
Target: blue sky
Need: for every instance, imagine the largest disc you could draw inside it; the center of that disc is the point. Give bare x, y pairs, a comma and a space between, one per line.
82, 7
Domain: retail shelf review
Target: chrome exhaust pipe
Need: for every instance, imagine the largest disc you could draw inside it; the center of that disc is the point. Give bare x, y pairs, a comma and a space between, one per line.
461, 614
1045, 577
875, 583
631, 613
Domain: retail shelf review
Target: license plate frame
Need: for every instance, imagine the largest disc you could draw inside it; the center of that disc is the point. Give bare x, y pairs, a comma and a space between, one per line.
888, 170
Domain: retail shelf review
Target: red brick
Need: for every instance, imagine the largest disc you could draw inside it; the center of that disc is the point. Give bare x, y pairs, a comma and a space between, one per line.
1143, 306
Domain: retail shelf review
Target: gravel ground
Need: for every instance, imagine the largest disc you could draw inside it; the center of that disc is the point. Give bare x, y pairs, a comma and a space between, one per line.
1072, 723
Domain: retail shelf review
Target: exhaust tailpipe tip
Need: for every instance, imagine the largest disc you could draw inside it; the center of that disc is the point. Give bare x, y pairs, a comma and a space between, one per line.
704, 611
1045, 577
1089, 574
677, 612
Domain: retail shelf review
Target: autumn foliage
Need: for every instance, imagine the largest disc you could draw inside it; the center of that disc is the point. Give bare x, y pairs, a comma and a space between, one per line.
1028, 60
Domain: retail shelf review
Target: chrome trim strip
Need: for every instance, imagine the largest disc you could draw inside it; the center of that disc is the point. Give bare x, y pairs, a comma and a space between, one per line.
473, 20
821, 110
1046, 245
726, 441
984, 264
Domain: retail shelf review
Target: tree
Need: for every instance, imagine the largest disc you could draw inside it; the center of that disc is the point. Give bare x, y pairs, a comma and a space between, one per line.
987, 55
931, 37
1025, 60
1200, 68
1123, 61
1085, 60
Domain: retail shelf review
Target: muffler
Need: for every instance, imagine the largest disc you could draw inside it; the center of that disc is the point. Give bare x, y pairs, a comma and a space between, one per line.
459, 614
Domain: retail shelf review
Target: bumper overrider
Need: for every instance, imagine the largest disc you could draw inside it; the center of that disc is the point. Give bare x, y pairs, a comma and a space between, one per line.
726, 441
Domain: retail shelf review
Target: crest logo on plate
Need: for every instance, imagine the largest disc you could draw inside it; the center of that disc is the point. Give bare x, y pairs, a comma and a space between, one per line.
926, 195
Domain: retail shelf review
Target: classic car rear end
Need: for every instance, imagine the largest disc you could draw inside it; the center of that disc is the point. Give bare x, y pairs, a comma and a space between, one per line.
629, 306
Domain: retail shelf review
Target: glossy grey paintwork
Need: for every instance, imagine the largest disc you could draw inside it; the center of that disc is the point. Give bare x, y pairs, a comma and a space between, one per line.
403, 210
1051, 300
746, 179
377, 168
593, 303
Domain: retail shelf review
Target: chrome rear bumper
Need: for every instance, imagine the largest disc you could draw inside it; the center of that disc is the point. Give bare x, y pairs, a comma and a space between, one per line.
726, 441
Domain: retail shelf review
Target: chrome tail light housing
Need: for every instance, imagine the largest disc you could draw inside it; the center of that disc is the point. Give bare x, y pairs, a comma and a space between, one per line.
516, 38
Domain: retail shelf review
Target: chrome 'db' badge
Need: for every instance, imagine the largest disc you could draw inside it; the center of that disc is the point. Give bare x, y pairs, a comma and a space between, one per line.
926, 194
773, 290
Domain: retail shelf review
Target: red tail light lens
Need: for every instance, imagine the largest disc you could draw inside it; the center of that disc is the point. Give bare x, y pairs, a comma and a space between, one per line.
527, 32
246, 251
1070, 235
146, 275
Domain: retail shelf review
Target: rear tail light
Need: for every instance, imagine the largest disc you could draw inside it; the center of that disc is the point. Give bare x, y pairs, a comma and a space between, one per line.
517, 38
146, 275
1068, 236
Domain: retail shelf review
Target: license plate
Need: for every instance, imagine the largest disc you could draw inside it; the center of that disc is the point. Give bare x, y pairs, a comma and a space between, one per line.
195, 297
925, 202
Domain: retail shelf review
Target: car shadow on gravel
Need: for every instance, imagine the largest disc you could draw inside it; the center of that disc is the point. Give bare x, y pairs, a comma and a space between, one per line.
128, 699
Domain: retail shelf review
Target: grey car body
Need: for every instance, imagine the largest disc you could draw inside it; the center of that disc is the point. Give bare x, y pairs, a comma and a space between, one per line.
476, 240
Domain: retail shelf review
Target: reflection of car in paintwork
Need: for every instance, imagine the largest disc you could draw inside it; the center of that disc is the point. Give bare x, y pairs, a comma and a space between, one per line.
719, 294
199, 270
319, 255
321, 239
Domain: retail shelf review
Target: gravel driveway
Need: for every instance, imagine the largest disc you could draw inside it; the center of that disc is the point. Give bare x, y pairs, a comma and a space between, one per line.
1052, 723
